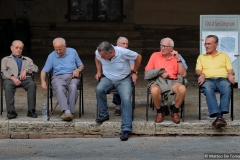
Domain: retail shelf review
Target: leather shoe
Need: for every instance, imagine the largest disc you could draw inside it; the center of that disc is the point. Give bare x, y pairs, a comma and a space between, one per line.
11, 114
175, 118
124, 136
159, 117
219, 123
32, 114
67, 117
165, 110
102, 119
117, 112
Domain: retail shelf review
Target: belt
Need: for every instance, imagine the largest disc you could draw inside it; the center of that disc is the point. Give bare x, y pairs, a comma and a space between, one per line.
121, 79
172, 78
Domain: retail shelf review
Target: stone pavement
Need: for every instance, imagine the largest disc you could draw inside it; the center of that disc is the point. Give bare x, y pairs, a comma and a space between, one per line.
25, 127
137, 148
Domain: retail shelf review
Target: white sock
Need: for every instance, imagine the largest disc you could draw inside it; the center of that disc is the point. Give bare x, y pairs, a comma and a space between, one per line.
118, 107
173, 102
67, 111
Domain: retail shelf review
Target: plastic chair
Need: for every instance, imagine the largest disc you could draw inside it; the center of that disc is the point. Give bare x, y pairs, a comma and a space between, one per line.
199, 104
79, 87
32, 75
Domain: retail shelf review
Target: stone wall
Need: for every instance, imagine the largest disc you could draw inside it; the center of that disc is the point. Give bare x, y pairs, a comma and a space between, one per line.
182, 12
152, 12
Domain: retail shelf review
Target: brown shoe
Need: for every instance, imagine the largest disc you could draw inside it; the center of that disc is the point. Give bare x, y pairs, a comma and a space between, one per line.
175, 118
159, 117
63, 116
221, 123
67, 117
117, 112
218, 124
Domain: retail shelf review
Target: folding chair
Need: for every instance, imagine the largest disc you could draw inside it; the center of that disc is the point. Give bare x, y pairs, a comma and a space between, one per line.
32, 75
151, 105
199, 104
79, 88
114, 91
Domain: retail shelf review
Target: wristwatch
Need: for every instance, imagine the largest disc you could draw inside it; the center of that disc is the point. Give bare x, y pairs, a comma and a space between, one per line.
134, 72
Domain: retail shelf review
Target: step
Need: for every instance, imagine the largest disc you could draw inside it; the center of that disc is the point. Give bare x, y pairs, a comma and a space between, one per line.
77, 42
95, 34
177, 43
81, 50
165, 27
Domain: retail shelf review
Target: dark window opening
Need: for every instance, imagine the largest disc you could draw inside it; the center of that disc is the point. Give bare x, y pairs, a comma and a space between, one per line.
95, 10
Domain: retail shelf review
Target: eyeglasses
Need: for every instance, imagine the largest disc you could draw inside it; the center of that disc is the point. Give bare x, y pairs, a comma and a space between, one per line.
163, 46
124, 43
17, 47
208, 44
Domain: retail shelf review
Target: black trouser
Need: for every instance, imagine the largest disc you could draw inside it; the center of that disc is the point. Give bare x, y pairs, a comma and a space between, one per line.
10, 88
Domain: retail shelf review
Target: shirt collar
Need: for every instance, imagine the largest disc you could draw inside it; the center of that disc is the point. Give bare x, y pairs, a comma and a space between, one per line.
61, 56
17, 57
214, 56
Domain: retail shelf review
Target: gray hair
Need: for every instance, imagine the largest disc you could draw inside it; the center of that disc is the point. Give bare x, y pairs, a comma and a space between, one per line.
169, 39
105, 46
16, 41
60, 39
213, 36
121, 38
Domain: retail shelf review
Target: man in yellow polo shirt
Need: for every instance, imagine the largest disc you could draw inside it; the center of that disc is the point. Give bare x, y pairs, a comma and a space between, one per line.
215, 74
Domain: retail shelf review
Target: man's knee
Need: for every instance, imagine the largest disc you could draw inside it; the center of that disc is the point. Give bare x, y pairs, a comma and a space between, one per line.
72, 87
155, 89
32, 84
7, 87
99, 89
182, 89
59, 88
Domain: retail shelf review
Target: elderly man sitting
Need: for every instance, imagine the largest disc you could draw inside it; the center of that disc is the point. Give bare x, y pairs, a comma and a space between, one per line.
168, 65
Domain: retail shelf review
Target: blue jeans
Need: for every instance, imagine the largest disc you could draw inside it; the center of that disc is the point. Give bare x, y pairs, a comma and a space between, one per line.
223, 86
116, 99
124, 88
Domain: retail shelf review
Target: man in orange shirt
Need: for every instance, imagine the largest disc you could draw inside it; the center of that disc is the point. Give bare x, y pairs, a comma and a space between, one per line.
169, 61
